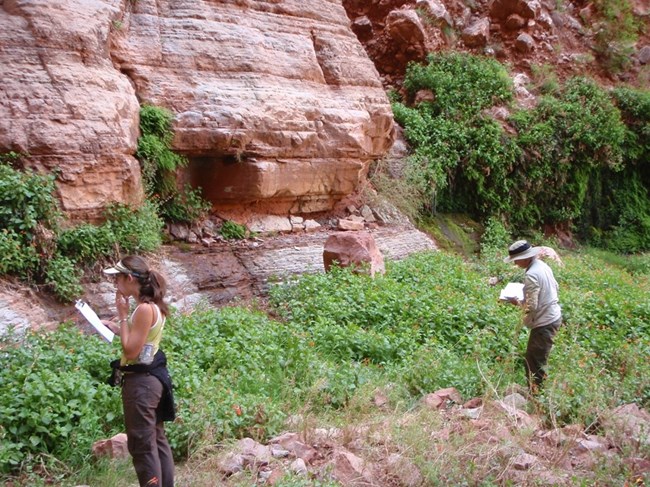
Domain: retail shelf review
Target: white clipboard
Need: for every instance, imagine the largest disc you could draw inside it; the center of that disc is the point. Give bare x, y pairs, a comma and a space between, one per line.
512, 290
94, 320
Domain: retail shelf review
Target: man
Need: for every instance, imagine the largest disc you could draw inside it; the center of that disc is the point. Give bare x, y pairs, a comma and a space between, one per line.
542, 311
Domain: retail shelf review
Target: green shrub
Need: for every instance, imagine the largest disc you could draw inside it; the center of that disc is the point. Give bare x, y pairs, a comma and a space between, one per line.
231, 230
577, 158
187, 206
17, 259
135, 231
87, 243
63, 276
432, 321
26, 200
462, 84
635, 111
568, 142
160, 166
28, 211
53, 400
460, 156
36, 250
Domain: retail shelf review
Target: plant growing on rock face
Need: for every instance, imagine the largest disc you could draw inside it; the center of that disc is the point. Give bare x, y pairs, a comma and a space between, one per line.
231, 230
36, 250
160, 166
28, 212
460, 156
616, 33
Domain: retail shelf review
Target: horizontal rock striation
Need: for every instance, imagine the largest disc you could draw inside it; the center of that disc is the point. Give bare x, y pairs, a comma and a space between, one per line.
64, 104
273, 101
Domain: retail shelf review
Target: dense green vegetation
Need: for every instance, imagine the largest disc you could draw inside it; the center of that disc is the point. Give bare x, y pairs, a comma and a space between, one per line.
37, 249
159, 169
579, 158
432, 321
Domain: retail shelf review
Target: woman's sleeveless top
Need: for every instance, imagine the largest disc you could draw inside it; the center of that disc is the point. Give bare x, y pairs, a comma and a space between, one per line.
152, 343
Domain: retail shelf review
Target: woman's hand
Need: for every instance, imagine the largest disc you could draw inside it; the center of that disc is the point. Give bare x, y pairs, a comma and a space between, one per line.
115, 328
122, 305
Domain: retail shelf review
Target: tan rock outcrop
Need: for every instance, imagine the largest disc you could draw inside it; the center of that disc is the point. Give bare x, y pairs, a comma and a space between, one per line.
273, 101
63, 103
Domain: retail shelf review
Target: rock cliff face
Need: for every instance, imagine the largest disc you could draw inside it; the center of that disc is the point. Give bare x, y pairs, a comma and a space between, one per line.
276, 102
63, 103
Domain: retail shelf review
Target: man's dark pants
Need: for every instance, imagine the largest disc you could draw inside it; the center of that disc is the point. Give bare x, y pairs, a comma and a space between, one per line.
540, 342
152, 456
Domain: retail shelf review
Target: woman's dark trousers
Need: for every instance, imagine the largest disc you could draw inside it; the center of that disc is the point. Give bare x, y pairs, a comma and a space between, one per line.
152, 456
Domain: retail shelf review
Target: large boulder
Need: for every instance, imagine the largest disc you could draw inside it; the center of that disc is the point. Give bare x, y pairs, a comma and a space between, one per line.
527, 9
477, 34
356, 249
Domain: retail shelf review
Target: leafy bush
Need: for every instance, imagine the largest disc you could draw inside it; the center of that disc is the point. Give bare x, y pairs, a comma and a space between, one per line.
17, 259
462, 84
231, 230
26, 199
28, 211
635, 111
553, 170
87, 243
53, 400
160, 165
432, 321
64, 277
456, 147
35, 248
568, 141
135, 231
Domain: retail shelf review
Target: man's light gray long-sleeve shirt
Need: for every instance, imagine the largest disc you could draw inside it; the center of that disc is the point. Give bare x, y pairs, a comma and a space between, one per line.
540, 295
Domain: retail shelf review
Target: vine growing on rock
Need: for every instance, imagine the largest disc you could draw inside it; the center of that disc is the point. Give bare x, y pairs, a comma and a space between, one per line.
160, 165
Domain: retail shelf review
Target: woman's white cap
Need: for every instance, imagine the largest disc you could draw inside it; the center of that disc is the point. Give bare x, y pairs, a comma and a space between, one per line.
118, 268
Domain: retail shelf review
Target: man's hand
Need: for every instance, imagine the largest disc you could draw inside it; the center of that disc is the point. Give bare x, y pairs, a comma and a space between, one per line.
514, 300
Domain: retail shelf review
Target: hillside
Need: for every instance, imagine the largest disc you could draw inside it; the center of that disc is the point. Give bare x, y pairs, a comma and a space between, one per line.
228, 139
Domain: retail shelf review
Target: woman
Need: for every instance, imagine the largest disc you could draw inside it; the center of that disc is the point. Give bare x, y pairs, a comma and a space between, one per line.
146, 386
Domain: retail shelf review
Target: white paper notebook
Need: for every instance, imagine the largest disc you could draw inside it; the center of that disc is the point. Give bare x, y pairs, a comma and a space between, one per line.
512, 290
94, 320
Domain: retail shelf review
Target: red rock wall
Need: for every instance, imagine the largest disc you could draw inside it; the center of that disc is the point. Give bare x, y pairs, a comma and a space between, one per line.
275, 101
63, 102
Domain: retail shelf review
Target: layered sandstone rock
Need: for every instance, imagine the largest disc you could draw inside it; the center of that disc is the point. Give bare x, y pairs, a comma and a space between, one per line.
63, 103
274, 101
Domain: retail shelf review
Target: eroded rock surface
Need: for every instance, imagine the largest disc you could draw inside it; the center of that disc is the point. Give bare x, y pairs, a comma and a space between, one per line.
273, 101
64, 103
276, 102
